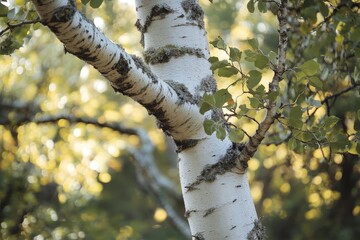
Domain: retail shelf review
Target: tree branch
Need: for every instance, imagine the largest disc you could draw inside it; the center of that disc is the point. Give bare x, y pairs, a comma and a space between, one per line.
279, 69
127, 73
334, 96
143, 155
12, 26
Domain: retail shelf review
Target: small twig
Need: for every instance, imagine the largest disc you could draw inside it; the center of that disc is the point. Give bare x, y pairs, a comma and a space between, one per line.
279, 69
335, 11
12, 26
326, 99
251, 118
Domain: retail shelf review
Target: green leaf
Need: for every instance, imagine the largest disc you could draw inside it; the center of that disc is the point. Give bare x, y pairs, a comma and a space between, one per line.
272, 96
221, 97
250, 55
9, 44
254, 78
340, 143
254, 43
96, 3
235, 54
295, 117
219, 43
272, 56
261, 61
227, 71
324, 10
330, 122
357, 148
305, 136
213, 59
209, 126
254, 102
204, 107
219, 64
220, 133
243, 109
260, 90
251, 6
236, 135
296, 112
292, 144
85, 1
3, 10
298, 76
209, 98
358, 114
316, 82
310, 67
262, 6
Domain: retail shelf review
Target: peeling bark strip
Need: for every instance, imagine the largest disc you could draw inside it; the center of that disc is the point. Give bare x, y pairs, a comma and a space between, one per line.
208, 84
182, 92
164, 54
225, 164
194, 12
157, 12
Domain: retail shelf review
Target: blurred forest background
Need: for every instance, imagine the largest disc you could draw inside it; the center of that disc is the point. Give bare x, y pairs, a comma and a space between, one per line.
69, 144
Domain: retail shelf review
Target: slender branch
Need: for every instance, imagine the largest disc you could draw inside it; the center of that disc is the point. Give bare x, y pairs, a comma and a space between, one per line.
336, 10
12, 26
279, 69
334, 96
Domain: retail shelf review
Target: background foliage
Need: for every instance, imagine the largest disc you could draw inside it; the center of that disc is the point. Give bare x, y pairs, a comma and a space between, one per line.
70, 180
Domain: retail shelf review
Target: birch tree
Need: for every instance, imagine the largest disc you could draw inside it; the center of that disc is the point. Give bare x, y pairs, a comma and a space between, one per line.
175, 83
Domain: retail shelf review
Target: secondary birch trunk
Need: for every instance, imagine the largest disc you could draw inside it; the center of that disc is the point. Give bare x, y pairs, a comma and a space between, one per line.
217, 196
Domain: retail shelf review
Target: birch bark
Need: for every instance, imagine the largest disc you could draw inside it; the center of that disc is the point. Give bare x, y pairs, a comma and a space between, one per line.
217, 197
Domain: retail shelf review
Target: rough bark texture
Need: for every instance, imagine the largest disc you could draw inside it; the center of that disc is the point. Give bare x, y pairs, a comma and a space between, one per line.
217, 199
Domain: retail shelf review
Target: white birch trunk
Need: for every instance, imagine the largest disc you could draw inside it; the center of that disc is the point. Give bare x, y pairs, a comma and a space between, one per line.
217, 199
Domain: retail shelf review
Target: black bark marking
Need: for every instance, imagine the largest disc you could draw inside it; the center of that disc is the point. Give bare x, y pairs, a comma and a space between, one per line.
209, 211
120, 87
145, 69
164, 54
185, 144
194, 12
157, 12
185, 122
188, 212
232, 227
258, 232
63, 13
122, 66
198, 236
225, 164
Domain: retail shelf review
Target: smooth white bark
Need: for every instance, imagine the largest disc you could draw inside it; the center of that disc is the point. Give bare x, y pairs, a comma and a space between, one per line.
222, 209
